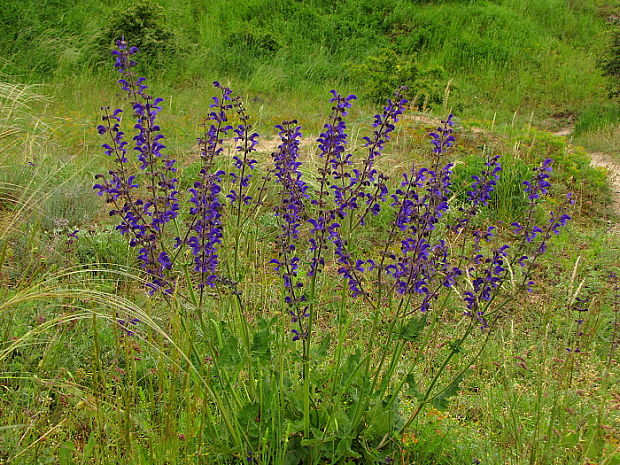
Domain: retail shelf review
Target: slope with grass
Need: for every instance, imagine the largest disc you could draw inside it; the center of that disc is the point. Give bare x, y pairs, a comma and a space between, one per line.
501, 56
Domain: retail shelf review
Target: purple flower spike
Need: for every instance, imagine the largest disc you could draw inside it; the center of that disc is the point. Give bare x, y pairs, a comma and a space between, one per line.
143, 214
293, 194
206, 227
488, 274
443, 138
246, 142
539, 184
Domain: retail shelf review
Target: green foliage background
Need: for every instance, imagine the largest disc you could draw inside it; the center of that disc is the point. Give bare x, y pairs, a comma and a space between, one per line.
498, 56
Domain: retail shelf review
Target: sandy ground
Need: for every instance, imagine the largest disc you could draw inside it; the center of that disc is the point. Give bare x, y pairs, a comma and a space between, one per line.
603, 160
598, 159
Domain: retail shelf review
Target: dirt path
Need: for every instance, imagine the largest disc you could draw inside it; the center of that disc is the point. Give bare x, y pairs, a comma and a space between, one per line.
603, 160
597, 159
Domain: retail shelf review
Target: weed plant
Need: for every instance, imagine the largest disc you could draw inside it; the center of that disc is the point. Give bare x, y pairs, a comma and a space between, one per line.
283, 386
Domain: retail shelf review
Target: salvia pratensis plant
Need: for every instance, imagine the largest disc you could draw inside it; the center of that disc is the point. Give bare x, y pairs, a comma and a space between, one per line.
431, 256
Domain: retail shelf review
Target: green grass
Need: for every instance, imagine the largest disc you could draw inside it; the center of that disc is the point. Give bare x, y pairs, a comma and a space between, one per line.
529, 56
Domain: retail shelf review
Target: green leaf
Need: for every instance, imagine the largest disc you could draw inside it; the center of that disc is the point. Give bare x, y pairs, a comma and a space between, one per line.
294, 397
323, 347
440, 401
353, 374
89, 447
249, 418
379, 422
594, 443
344, 449
412, 388
65, 453
262, 340
412, 329
229, 351
295, 456
315, 441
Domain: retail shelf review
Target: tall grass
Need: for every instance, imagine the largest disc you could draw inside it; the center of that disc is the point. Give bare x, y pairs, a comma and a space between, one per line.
500, 56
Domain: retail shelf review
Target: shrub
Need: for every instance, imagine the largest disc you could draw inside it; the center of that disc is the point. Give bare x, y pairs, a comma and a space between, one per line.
143, 24
610, 64
383, 73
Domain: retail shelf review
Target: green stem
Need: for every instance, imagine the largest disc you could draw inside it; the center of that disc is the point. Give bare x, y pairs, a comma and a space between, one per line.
247, 342
425, 399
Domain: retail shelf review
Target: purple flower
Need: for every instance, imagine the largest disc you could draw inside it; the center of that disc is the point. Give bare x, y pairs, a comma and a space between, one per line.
558, 222
246, 142
348, 269
292, 187
332, 144
443, 139
424, 263
485, 280
368, 185
539, 184
292, 195
535, 238
206, 228
126, 326
142, 214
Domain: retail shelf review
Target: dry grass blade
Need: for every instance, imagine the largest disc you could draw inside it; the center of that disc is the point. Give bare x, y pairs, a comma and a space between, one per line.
55, 287
22, 130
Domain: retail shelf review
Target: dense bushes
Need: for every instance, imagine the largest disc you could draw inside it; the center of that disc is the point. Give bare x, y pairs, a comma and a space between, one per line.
610, 64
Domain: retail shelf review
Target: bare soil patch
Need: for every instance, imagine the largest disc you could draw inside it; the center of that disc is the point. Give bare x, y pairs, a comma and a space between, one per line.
603, 160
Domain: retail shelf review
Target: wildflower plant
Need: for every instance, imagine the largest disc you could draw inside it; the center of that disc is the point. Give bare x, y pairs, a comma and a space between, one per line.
429, 261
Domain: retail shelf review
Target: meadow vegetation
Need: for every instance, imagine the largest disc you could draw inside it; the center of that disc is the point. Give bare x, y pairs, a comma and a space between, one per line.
448, 294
